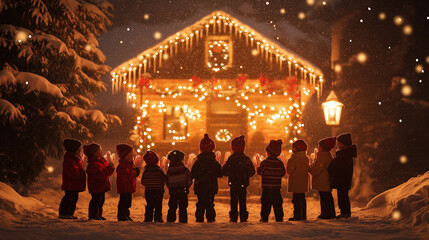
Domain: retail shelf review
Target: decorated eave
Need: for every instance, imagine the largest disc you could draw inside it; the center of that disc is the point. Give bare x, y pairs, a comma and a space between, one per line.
152, 59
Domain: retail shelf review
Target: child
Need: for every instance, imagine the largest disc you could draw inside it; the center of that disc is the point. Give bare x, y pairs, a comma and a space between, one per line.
127, 172
74, 178
341, 172
297, 169
320, 180
179, 180
272, 170
99, 172
205, 171
239, 168
153, 179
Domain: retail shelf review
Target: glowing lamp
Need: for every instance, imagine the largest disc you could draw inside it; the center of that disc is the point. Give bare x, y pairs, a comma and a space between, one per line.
332, 109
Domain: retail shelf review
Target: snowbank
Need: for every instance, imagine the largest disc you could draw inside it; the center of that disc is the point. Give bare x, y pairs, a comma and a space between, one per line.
33, 81
11, 201
407, 203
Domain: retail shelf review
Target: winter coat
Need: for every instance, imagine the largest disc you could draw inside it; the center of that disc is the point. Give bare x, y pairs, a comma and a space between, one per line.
239, 168
205, 171
74, 177
178, 176
272, 170
99, 172
319, 172
153, 177
126, 177
297, 169
341, 168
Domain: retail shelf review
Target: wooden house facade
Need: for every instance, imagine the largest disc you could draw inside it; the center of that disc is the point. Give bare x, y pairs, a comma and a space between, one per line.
217, 76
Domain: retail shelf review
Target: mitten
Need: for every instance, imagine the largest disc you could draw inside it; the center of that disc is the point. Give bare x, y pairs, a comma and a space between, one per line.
138, 161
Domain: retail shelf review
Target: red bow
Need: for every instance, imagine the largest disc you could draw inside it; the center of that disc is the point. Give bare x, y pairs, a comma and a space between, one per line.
240, 80
292, 84
144, 82
195, 81
263, 80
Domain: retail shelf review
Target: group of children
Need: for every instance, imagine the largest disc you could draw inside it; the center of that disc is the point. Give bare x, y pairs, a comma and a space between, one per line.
327, 172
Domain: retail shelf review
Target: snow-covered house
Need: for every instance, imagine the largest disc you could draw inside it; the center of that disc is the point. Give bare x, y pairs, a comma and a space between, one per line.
217, 76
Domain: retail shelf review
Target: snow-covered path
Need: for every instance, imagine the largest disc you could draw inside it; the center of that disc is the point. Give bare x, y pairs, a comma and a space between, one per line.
45, 225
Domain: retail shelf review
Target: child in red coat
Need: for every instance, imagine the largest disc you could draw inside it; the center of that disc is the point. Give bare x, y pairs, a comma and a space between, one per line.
99, 172
153, 180
127, 173
74, 178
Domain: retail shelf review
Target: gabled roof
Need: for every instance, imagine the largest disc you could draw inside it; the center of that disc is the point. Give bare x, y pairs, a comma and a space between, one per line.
284, 53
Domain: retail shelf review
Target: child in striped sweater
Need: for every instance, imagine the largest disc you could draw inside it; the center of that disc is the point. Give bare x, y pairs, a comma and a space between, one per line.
179, 180
153, 179
272, 170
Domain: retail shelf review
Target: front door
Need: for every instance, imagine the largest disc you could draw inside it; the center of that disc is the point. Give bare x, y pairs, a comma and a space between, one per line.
225, 121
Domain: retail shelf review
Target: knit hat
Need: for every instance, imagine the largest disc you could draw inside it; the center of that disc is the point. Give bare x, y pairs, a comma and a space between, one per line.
176, 155
300, 145
207, 144
346, 139
328, 143
150, 157
71, 145
238, 144
274, 148
91, 149
123, 150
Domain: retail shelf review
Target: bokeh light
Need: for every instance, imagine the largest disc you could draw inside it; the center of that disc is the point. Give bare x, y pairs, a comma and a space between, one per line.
403, 159
165, 56
362, 57
301, 15
337, 68
21, 37
157, 35
408, 30
50, 169
324, 3
146, 16
396, 215
382, 16
406, 90
403, 81
398, 20
310, 2
427, 59
282, 11
255, 52
419, 68
88, 47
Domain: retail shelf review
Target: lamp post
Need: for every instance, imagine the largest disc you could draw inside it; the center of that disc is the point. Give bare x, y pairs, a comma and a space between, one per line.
332, 111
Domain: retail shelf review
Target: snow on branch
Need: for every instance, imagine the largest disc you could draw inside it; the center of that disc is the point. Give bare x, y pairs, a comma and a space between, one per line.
417, 103
7, 109
34, 82
92, 115
66, 117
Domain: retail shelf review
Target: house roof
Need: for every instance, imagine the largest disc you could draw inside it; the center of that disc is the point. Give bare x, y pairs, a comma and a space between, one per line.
284, 53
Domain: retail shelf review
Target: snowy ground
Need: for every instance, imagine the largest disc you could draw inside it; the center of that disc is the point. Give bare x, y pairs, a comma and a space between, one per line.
33, 220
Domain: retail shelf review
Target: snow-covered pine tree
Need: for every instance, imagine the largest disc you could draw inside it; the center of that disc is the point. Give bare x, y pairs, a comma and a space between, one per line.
52, 69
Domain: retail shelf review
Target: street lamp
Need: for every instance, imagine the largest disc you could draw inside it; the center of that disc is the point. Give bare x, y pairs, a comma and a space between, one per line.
332, 109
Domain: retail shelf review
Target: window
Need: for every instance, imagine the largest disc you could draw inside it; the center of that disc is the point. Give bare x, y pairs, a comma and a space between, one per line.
175, 124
